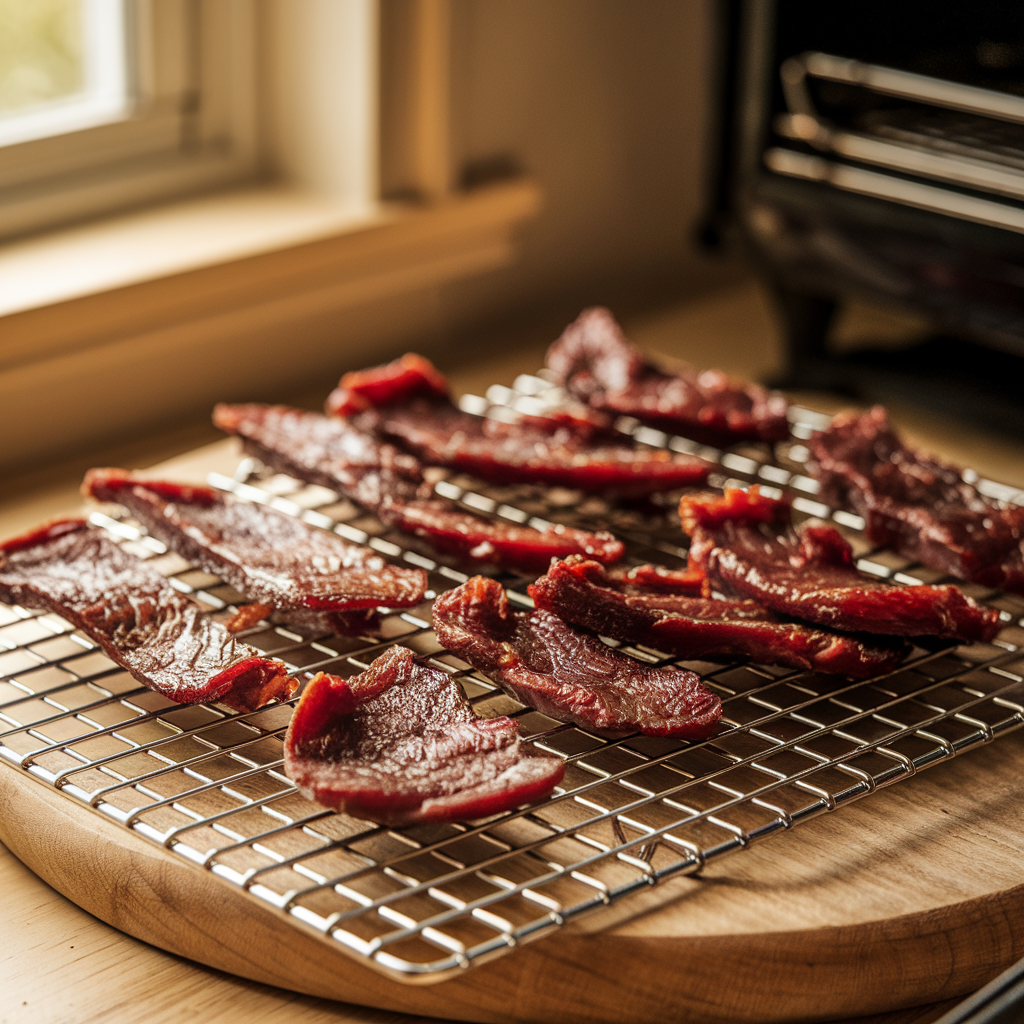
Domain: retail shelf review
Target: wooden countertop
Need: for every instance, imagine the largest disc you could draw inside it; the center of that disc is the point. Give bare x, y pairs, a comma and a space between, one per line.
59, 964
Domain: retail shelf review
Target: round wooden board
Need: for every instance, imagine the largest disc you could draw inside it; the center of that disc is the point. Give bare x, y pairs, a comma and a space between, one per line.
911, 896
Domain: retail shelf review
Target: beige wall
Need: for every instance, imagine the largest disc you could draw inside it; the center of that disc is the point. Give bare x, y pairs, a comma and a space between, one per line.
604, 102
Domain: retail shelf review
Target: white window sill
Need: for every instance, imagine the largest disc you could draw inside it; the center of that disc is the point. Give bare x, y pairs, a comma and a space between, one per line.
140, 318
129, 249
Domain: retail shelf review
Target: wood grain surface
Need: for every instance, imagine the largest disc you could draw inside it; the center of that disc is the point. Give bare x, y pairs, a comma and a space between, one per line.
914, 894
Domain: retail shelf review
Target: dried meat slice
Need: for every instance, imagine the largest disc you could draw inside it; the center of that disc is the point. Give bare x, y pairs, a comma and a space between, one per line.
524, 452
569, 675
280, 562
334, 453
596, 364
400, 745
492, 542
643, 579
746, 546
920, 507
410, 377
413, 409
584, 593
139, 620
322, 450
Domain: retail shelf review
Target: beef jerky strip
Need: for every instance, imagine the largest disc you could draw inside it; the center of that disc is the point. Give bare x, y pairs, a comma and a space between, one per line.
333, 453
745, 544
400, 745
417, 413
305, 574
139, 620
585, 594
596, 364
643, 579
568, 675
920, 507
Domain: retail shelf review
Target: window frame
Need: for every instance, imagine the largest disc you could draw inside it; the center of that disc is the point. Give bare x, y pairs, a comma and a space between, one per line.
106, 93
191, 126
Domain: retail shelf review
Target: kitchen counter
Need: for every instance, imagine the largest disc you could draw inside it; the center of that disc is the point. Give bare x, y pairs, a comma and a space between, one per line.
59, 964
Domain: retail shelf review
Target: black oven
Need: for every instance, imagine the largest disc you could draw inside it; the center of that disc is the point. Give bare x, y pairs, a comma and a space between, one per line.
875, 149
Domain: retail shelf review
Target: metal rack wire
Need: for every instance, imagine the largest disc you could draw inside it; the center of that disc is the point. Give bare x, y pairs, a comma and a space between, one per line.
425, 902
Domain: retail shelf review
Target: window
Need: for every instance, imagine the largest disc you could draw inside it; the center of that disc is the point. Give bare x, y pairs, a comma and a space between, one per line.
105, 104
63, 67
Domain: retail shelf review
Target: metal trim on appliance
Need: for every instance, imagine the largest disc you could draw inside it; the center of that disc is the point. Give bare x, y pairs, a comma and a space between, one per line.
898, 190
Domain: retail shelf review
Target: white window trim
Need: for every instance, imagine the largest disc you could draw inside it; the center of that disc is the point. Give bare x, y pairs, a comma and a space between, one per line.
162, 150
105, 96
141, 318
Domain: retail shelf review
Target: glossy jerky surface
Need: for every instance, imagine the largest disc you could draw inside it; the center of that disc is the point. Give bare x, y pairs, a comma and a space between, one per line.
745, 544
569, 675
597, 364
276, 560
139, 620
333, 453
413, 409
400, 745
526, 452
585, 594
920, 507
395, 382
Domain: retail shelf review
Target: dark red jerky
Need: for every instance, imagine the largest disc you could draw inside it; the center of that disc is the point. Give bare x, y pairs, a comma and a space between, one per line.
400, 745
281, 563
745, 544
333, 453
396, 382
408, 403
568, 675
597, 364
920, 507
139, 620
490, 542
322, 450
585, 594
644, 579
539, 451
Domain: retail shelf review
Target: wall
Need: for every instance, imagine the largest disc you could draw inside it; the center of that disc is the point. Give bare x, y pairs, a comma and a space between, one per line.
605, 102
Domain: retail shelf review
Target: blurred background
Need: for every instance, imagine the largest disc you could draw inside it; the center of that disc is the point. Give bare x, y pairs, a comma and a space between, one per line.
206, 200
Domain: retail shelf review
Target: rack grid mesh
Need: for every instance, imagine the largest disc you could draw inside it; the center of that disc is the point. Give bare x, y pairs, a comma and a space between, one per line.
425, 902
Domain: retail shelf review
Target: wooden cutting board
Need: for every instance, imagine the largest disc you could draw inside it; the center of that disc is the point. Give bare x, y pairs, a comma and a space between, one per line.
910, 896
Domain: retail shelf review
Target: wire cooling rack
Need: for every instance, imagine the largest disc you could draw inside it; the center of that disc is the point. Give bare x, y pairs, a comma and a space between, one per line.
425, 902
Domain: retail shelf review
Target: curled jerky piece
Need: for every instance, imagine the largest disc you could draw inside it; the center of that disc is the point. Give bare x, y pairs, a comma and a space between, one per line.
139, 620
920, 507
334, 453
585, 594
569, 675
399, 745
394, 383
745, 544
278, 561
407, 402
643, 579
596, 364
